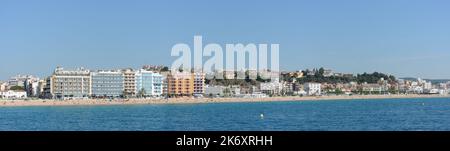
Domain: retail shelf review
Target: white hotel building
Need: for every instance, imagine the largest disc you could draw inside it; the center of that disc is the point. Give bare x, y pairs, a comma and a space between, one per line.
70, 83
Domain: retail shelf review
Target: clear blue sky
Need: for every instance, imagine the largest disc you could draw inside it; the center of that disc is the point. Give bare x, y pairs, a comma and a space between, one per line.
400, 37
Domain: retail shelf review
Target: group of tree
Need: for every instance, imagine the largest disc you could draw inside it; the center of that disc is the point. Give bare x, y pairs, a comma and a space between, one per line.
242, 82
17, 88
319, 77
374, 77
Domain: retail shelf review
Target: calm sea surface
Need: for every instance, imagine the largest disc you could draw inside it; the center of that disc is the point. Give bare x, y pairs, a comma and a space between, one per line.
339, 115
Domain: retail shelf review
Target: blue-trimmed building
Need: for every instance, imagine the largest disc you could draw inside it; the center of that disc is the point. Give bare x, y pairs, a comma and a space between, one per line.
149, 84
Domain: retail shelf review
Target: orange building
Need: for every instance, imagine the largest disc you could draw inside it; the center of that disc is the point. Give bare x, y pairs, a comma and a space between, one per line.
180, 84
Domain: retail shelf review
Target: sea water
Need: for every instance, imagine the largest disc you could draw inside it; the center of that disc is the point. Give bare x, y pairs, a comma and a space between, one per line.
431, 114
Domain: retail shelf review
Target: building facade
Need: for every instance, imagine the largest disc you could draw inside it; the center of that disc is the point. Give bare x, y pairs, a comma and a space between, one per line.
374, 88
271, 88
13, 94
40, 88
3, 86
129, 76
180, 84
149, 83
199, 83
313, 88
70, 83
107, 84
214, 91
229, 74
31, 87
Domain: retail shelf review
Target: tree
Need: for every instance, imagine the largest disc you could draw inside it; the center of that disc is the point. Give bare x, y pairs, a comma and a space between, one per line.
141, 93
16, 88
338, 91
165, 69
321, 71
125, 94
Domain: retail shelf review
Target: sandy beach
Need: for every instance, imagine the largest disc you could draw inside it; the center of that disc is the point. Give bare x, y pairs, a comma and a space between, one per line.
40, 102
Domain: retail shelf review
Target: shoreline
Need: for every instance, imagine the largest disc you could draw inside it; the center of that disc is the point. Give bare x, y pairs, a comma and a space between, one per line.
134, 101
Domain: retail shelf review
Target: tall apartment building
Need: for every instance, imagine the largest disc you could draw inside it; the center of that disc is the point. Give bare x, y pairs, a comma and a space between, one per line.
70, 83
3, 86
41, 88
180, 84
47, 88
129, 76
107, 84
19, 80
164, 83
31, 87
149, 83
199, 83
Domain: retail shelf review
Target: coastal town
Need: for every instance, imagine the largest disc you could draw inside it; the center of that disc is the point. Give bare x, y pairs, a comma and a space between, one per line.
158, 82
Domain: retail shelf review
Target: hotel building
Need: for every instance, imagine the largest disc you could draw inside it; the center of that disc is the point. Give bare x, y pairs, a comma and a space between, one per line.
180, 84
107, 84
129, 82
164, 85
149, 83
199, 83
70, 83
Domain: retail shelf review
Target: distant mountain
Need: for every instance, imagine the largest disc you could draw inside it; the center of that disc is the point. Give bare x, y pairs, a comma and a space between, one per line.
434, 81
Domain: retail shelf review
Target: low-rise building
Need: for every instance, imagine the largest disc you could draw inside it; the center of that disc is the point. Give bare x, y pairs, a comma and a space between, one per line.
229, 74
443, 92
443, 86
418, 90
287, 88
271, 88
249, 89
348, 75
11, 94
428, 86
214, 91
19, 80
252, 95
374, 88
292, 75
313, 88
338, 74
328, 73
234, 90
